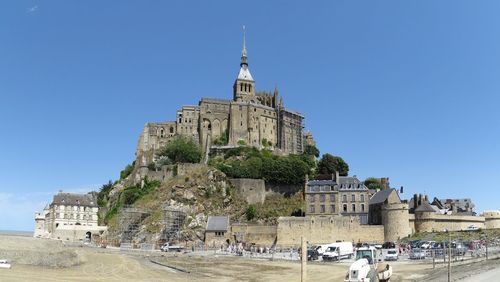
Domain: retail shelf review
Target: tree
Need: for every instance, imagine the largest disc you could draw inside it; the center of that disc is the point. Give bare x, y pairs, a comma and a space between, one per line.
330, 164
127, 171
182, 150
373, 183
311, 150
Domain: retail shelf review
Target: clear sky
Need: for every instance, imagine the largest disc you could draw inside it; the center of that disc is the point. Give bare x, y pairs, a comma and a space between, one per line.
402, 89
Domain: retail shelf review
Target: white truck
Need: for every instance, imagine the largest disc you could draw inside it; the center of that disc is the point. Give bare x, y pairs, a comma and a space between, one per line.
337, 251
367, 268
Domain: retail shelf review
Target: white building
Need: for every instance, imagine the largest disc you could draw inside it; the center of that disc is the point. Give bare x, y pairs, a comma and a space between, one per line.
70, 217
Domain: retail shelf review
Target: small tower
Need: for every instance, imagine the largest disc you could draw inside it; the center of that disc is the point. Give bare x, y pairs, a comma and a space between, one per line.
244, 86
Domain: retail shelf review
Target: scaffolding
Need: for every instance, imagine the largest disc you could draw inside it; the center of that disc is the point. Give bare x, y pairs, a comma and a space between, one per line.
130, 222
173, 220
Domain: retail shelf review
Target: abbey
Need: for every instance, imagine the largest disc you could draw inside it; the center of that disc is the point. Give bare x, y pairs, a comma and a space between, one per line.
257, 119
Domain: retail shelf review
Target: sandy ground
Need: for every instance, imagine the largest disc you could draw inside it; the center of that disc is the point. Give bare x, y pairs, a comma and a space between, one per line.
113, 265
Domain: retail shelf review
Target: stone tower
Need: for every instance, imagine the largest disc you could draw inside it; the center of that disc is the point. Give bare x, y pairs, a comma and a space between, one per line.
395, 218
244, 86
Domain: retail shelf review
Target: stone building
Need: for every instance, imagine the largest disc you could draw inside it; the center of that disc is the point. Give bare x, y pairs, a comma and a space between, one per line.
342, 195
257, 119
70, 217
217, 231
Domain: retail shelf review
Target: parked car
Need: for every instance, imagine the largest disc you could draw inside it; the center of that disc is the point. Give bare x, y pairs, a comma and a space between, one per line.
4, 264
392, 254
417, 254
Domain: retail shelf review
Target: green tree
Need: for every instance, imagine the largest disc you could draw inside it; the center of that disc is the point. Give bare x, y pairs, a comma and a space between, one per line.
182, 150
311, 150
329, 164
373, 183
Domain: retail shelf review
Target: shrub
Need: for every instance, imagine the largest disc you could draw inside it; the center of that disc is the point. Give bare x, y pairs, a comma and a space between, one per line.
182, 150
127, 171
250, 212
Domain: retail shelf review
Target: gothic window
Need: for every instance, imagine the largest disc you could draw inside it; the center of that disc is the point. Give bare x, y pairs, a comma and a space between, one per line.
362, 207
250, 88
241, 87
353, 207
161, 133
171, 129
344, 207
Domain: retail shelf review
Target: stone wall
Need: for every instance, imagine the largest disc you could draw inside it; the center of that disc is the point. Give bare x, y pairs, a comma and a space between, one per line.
284, 189
254, 233
429, 222
253, 190
492, 219
322, 230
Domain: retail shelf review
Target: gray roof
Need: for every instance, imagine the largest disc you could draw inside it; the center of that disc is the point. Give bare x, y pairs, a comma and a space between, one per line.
344, 183
217, 223
381, 196
425, 207
70, 199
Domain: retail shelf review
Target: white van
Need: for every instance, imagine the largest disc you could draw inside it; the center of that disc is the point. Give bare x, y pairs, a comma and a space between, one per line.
337, 251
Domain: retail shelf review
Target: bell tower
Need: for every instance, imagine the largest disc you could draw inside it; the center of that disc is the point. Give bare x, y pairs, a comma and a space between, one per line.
244, 86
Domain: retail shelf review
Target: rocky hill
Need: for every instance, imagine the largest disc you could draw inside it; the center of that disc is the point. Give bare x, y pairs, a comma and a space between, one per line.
197, 193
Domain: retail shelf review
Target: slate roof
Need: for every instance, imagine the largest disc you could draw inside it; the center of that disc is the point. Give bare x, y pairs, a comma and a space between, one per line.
344, 183
381, 196
217, 223
71, 199
425, 207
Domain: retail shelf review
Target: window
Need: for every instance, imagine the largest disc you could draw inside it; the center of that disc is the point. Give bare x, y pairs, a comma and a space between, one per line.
311, 209
344, 198
353, 198
332, 208
344, 207
353, 208
322, 209
362, 198
362, 207
322, 197
312, 198
332, 197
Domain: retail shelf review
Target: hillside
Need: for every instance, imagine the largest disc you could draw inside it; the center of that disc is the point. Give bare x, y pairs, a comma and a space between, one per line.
202, 192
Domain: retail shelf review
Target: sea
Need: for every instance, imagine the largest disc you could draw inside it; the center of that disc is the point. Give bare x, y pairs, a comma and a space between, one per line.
16, 233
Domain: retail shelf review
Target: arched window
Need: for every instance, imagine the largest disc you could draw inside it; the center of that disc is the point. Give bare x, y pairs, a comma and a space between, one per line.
249, 87
241, 87
161, 133
171, 129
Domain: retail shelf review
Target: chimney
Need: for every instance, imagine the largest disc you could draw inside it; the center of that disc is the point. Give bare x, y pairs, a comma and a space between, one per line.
415, 201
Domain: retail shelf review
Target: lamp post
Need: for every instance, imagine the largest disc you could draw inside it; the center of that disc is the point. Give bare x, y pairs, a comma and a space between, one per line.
449, 254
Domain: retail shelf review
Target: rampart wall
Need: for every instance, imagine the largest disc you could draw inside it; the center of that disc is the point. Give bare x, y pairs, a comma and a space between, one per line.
330, 229
429, 222
253, 190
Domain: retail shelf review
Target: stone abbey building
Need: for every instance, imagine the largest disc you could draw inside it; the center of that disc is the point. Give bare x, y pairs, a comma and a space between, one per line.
257, 119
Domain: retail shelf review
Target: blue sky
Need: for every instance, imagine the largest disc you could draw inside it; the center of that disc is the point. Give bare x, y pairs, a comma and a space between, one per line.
401, 89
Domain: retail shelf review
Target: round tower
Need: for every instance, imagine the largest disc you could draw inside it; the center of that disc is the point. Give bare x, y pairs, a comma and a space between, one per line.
424, 218
396, 221
491, 219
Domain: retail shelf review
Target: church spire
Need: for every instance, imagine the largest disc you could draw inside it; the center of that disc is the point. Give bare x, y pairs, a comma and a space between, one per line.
244, 51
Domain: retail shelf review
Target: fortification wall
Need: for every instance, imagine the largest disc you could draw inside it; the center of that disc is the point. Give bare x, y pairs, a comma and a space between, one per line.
492, 219
253, 190
284, 189
254, 234
318, 230
411, 221
429, 222
395, 218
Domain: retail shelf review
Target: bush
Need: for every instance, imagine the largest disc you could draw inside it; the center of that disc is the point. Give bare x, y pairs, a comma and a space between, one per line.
250, 212
127, 171
182, 150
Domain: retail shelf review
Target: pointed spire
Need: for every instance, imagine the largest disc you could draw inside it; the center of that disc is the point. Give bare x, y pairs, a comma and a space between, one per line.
244, 51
